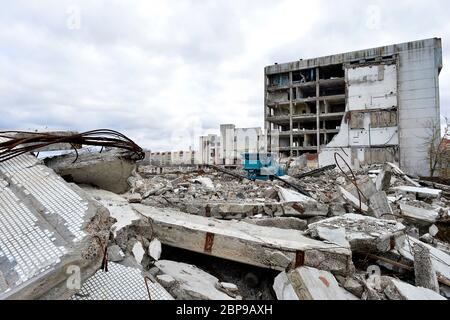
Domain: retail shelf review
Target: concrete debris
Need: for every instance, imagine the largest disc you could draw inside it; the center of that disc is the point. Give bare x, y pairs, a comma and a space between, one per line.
433, 230
383, 180
283, 287
314, 284
115, 254
395, 289
420, 191
191, 283
206, 182
287, 195
365, 234
120, 283
423, 268
336, 236
138, 252
379, 205
162, 224
165, 280
419, 214
243, 242
123, 214
154, 249
355, 202
440, 260
108, 170
134, 198
353, 284
230, 289
280, 222
396, 170
46, 227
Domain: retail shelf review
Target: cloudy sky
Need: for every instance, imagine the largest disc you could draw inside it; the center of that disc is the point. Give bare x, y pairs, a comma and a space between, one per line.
164, 72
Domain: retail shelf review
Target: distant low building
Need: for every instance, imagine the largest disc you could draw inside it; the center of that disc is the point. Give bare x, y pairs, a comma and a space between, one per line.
172, 158
228, 147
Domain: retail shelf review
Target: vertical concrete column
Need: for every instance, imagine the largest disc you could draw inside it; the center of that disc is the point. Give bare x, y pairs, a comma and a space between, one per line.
291, 137
318, 110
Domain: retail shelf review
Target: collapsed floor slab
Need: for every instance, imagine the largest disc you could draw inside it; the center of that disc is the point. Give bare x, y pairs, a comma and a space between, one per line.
189, 282
236, 240
364, 233
47, 226
311, 284
256, 245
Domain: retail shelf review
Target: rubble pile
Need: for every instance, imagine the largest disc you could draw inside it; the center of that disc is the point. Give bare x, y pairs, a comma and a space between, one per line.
382, 219
375, 233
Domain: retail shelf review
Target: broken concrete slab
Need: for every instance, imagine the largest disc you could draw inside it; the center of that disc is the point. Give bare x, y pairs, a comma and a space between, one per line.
191, 283
420, 191
120, 283
280, 222
364, 233
154, 249
417, 214
287, 195
134, 198
239, 241
399, 172
365, 185
383, 180
283, 287
353, 284
440, 259
119, 210
206, 182
108, 170
425, 275
165, 280
138, 251
314, 284
396, 289
355, 202
379, 205
296, 204
47, 227
115, 254
230, 289
336, 236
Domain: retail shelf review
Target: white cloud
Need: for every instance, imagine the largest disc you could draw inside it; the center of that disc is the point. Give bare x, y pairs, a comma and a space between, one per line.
164, 72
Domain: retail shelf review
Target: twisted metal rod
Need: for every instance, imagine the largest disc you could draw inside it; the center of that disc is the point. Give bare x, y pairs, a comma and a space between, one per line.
31, 141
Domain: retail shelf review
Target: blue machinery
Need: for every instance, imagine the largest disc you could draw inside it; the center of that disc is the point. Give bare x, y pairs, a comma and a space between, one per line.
261, 166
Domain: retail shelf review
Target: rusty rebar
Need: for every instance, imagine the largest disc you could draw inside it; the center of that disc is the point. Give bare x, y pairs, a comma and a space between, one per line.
32, 141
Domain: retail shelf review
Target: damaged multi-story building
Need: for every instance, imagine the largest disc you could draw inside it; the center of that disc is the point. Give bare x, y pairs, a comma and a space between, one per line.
370, 106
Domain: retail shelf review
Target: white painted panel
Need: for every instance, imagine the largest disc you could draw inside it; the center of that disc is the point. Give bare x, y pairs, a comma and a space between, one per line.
372, 87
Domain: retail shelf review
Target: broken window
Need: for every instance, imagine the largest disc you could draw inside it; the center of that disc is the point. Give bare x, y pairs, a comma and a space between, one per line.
303, 76
357, 120
281, 79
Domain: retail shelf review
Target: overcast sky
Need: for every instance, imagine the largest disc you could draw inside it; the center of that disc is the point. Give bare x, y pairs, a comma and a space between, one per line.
164, 72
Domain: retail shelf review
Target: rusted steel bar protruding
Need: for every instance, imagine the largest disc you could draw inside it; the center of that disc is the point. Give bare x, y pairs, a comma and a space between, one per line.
209, 241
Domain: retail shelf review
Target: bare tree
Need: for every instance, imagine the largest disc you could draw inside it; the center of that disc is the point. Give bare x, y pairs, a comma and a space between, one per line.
436, 145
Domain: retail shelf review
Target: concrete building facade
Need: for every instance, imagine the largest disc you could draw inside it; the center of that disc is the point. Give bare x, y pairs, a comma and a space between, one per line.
171, 158
369, 106
228, 147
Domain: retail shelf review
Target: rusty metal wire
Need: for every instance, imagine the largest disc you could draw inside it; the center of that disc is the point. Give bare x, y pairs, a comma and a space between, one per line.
352, 180
21, 142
